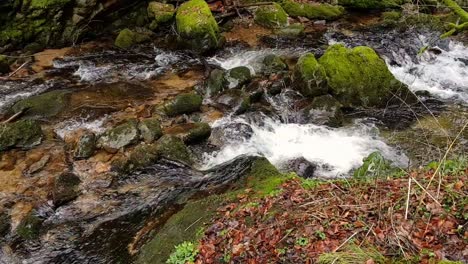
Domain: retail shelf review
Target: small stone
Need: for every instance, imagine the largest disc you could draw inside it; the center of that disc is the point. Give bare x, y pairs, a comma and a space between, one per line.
183, 104
216, 82
273, 64
120, 136
65, 188
271, 16
173, 148
238, 76
128, 38
85, 146
150, 129
234, 100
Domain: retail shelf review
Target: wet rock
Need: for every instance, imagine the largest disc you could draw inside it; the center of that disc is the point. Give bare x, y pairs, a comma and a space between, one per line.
230, 133
30, 226
160, 12
309, 77
183, 104
128, 38
48, 104
216, 82
4, 65
150, 129
141, 156
312, 11
254, 90
238, 76
173, 148
324, 110
302, 167
120, 136
273, 64
234, 100
197, 27
85, 146
39, 165
21, 134
291, 31
199, 132
5, 224
271, 16
370, 4
359, 77
66, 188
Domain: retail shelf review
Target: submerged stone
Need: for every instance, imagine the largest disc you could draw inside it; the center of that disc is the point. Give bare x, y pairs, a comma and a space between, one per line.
128, 38
65, 188
309, 77
85, 146
120, 136
183, 104
271, 16
273, 64
324, 110
20, 134
196, 26
238, 76
150, 129
359, 77
312, 11
48, 104
173, 148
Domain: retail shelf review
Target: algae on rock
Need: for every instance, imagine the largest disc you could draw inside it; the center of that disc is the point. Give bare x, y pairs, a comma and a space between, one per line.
271, 16
183, 104
309, 77
128, 38
20, 134
312, 11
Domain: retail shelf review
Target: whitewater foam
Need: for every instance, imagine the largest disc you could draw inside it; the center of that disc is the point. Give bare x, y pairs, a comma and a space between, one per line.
68, 126
340, 150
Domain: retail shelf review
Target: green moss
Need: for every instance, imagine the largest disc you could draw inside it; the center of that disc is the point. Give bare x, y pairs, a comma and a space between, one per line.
47, 104
173, 148
30, 226
309, 77
183, 104
21, 134
40, 4
264, 179
161, 13
370, 4
359, 77
271, 16
196, 26
128, 38
312, 11
150, 129
199, 132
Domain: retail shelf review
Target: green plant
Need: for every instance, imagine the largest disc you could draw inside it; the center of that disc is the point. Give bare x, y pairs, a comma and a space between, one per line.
352, 254
456, 166
302, 241
184, 252
320, 234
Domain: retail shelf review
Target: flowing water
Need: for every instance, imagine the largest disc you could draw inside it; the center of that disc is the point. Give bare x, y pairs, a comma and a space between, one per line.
104, 224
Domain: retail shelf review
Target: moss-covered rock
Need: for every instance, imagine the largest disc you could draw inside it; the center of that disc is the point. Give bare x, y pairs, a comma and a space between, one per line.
85, 146
65, 188
238, 76
312, 11
21, 134
183, 104
128, 38
196, 26
160, 13
309, 77
324, 110
370, 4
216, 82
141, 156
45, 105
30, 226
359, 77
271, 16
290, 31
273, 64
173, 148
150, 129
120, 136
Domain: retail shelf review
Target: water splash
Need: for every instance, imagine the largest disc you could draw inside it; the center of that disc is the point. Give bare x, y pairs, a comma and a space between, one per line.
69, 126
339, 150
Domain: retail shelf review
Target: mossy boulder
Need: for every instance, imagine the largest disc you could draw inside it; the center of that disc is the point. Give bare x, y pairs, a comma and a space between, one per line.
197, 27
183, 104
312, 11
216, 82
271, 16
85, 146
273, 64
20, 134
191, 132
309, 77
30, 226
370, 4
128, 38
65, 188
324, 110
359, 77
238, 76
173, 148
150, 129
45, 105
141, 156
120, 136
160, 13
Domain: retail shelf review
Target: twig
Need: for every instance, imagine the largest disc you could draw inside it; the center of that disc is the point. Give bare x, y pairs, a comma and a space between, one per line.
19, 68
193, 224
13, 117
407, 198
420, 186
346, 241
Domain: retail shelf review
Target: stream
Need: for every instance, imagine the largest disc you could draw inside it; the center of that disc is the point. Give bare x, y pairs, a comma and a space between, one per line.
113, 215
